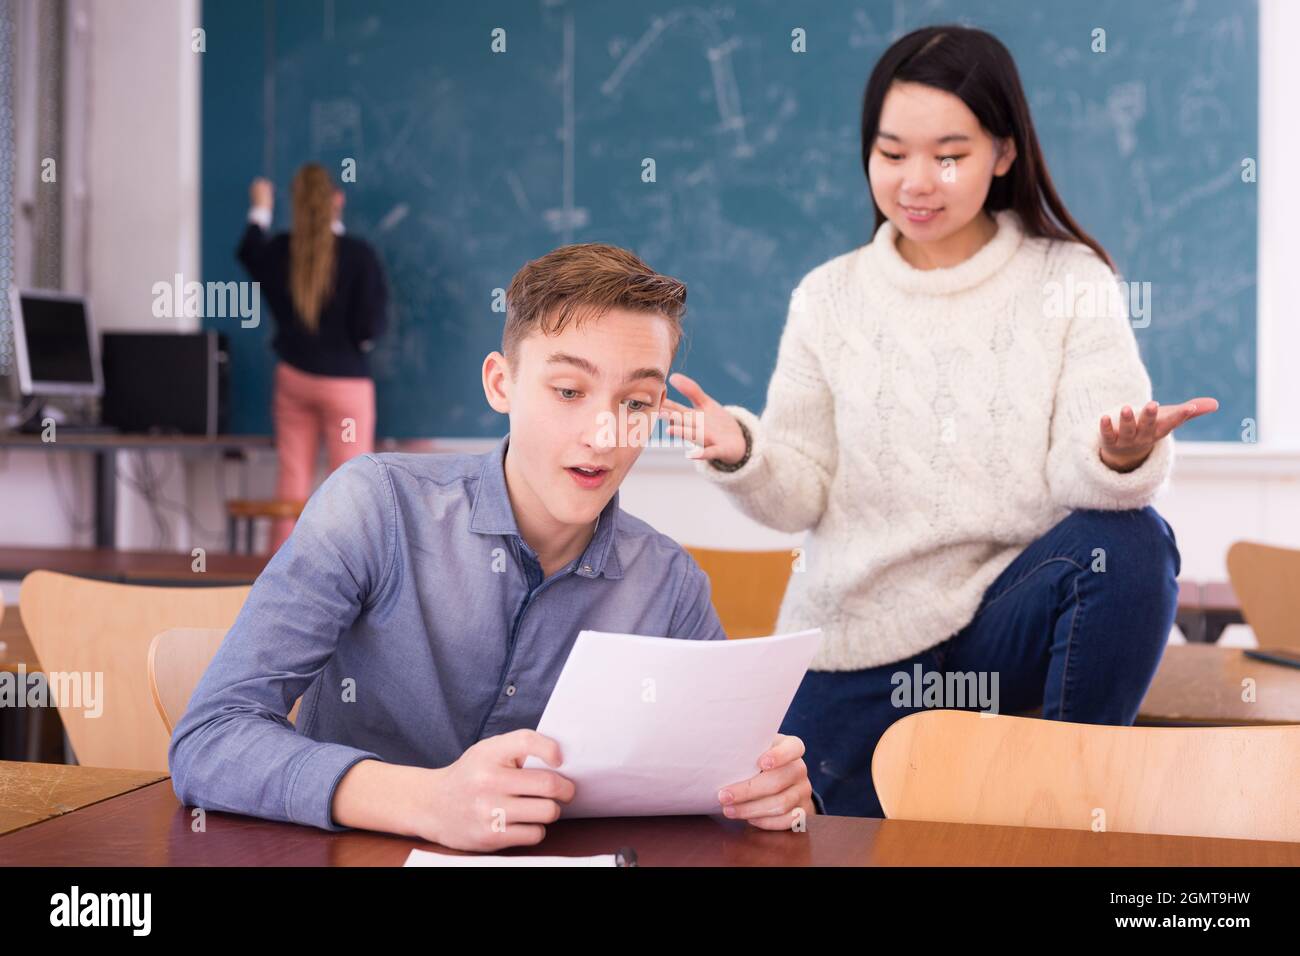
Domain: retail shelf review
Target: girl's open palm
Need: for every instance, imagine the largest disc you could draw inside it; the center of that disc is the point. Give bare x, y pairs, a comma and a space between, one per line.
1126, 446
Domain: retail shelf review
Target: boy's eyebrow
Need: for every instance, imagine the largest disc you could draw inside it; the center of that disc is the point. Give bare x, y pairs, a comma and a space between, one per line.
564, 358
950, 138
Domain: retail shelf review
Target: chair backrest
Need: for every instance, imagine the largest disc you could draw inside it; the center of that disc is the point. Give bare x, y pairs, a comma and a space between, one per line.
1266, 580
960, 767
79, 626
747, 587
177, 659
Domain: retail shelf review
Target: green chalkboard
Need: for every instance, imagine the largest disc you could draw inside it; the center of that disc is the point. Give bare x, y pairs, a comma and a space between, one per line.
471, 162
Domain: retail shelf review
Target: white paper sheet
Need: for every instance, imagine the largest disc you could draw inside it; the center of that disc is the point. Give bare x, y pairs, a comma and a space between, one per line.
430, 858
652, 726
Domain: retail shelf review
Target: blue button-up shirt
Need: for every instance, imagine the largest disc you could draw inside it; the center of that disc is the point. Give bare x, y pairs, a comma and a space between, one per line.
414, 621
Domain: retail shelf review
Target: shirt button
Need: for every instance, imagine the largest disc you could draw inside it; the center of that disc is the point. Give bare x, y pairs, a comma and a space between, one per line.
510, 690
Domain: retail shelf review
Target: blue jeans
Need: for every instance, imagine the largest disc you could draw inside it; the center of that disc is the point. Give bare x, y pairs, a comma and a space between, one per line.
1054, 630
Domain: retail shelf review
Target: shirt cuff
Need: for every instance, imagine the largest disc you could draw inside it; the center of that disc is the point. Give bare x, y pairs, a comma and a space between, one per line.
260, 215
310, 798
1105, 489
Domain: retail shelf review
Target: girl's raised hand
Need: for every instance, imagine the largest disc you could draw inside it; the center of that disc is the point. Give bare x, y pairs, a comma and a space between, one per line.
707, 425
1126, 446
260, 193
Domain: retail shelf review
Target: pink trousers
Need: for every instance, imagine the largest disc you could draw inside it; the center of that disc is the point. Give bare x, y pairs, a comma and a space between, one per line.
305, 408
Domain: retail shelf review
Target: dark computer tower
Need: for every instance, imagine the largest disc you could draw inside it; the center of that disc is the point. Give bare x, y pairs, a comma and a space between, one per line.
166, 382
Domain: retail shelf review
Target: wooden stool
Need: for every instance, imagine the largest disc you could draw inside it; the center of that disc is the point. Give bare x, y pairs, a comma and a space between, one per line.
249, 510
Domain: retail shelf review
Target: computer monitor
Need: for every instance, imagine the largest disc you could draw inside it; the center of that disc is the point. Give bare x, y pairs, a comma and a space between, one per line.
55, 345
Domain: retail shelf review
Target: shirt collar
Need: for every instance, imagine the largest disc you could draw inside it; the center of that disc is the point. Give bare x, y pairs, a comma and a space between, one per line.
492, 514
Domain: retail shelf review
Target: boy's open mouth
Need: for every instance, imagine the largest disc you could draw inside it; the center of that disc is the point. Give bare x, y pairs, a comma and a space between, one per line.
588, 476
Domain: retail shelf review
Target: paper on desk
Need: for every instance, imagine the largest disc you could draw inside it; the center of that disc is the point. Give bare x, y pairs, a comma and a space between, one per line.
652, 726
430, 858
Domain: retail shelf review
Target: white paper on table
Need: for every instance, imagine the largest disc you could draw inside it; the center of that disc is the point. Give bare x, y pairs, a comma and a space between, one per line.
430, 858
653, 726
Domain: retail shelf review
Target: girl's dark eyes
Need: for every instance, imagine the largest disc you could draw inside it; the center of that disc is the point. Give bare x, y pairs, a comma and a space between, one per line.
897, 156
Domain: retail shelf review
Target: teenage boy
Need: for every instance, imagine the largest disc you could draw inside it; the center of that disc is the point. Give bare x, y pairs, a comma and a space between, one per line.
425, 604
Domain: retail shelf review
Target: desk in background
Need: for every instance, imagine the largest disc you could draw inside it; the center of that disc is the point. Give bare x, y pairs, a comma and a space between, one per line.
133, 567
1201, 685
1205, 609
105, 448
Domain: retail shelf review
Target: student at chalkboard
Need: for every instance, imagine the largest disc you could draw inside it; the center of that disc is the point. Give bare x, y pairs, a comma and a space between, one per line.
328, 296
960, 415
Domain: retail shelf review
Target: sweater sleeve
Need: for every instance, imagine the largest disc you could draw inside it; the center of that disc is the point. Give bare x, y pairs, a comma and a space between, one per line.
368, 318
785, 482
253, 249
1100, 373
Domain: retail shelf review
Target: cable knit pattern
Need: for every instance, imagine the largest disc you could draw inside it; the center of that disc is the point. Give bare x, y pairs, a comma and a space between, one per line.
927, 425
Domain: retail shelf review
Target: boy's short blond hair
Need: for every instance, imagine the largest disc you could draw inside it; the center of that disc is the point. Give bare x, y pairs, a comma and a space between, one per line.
583, 281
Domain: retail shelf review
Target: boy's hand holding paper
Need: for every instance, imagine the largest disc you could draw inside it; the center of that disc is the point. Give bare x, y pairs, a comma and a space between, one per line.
650, 727
770, 799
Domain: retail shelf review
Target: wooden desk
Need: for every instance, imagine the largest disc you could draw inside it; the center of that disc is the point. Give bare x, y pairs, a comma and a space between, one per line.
135, 567
148, 827
32, 792
105, 448
1201, 685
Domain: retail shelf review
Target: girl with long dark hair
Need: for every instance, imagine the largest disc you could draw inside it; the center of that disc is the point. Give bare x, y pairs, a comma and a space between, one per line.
960, 415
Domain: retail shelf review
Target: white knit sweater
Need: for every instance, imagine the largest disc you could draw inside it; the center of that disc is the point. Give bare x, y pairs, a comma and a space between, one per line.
927, 425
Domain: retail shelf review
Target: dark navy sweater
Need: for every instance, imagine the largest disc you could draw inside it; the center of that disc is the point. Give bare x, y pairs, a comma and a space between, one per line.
350, 319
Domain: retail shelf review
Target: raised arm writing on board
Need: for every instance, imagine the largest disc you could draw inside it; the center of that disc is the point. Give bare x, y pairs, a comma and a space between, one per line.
256, 238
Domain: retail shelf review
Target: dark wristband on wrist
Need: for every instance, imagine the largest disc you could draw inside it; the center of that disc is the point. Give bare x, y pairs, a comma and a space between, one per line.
749, 447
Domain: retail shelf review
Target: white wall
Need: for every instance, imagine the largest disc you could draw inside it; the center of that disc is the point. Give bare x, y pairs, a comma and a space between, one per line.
130, 175
143, 128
